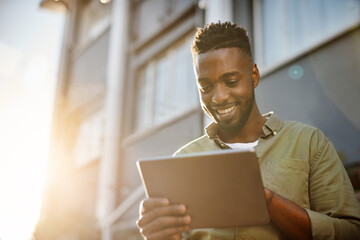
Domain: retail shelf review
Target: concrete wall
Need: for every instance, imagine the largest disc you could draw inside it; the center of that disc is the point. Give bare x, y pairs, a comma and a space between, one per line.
326, 96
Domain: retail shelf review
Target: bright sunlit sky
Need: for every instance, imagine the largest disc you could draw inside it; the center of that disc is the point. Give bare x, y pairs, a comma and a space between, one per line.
30, 43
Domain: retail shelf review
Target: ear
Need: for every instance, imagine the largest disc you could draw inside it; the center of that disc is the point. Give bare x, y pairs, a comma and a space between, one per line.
255, 75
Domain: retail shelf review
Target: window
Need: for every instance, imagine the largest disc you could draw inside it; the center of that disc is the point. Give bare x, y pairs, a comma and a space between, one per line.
165, 86
286, 28
89, 140
94, 19
88, 73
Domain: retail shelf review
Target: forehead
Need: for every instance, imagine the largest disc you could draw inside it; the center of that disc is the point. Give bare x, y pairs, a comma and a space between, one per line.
222, 60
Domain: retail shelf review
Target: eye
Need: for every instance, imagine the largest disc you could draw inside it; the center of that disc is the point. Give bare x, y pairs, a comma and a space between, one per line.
232, 82
205, 87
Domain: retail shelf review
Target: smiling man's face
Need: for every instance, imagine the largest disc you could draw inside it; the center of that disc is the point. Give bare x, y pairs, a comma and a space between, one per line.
226, 82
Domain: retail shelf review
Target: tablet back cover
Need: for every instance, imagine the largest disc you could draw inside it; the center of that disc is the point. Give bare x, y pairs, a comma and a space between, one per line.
220, 189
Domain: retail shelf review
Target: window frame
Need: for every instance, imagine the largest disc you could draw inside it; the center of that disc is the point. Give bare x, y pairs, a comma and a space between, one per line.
258, 42
81, 42
143, 52
169, 50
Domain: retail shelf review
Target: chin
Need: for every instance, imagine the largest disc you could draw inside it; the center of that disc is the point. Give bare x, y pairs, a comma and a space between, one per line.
230, 127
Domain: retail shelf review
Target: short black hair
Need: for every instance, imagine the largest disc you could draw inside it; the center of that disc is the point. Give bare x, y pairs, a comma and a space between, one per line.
221, 35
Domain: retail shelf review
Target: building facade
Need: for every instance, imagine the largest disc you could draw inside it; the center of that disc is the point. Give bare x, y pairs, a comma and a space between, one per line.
126, 90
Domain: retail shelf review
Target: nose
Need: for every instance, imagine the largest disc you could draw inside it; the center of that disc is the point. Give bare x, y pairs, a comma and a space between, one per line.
220, 95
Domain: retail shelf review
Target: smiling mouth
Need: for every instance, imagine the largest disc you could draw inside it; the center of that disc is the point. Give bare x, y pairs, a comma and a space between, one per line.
226, 110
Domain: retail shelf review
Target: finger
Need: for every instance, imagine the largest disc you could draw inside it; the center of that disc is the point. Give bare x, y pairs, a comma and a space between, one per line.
175, 237
169, 233
151, 203
165, 222
172, 210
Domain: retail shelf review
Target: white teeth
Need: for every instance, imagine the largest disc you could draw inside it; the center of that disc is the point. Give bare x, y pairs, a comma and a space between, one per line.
225, 111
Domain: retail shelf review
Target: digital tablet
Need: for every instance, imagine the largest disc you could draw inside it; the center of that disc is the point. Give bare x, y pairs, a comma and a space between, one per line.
220, 189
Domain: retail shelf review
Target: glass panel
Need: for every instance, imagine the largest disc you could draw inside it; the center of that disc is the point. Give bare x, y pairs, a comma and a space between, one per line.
94, 19
88, 73
144, 97
140, 99
163, 88
90, 139
184, 78
292, 26
168, 89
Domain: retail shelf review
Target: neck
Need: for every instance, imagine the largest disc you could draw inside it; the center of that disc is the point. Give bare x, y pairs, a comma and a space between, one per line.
250, 132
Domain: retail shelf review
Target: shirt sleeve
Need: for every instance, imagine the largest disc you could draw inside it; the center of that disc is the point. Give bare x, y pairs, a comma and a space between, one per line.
334, 211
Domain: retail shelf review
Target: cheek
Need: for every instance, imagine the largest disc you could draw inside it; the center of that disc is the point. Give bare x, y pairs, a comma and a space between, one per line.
239, 93
205, 98
243, 91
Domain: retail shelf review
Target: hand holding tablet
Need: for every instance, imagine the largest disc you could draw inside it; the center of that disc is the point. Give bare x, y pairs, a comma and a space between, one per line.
220, 189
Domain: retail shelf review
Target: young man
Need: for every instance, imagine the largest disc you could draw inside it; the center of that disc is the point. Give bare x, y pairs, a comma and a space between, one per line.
307, 189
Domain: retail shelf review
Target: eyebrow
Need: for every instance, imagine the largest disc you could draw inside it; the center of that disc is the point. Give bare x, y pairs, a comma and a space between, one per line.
224, 76
229, 74
200, 80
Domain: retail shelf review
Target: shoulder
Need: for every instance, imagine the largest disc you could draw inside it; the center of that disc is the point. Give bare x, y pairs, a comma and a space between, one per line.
304, 130
298, 127
201, 144
307, 136
290, 130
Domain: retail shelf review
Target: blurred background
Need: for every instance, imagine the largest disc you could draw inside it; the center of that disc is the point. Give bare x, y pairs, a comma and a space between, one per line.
30, 44
89, 86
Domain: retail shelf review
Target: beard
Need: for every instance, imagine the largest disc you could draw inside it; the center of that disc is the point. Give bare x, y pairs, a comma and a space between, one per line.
242, 118
239, 120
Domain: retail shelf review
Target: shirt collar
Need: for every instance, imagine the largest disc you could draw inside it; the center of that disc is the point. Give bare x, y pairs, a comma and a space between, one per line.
272, 126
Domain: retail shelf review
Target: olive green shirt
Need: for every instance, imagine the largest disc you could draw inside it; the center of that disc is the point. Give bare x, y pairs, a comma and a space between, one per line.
299, 163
